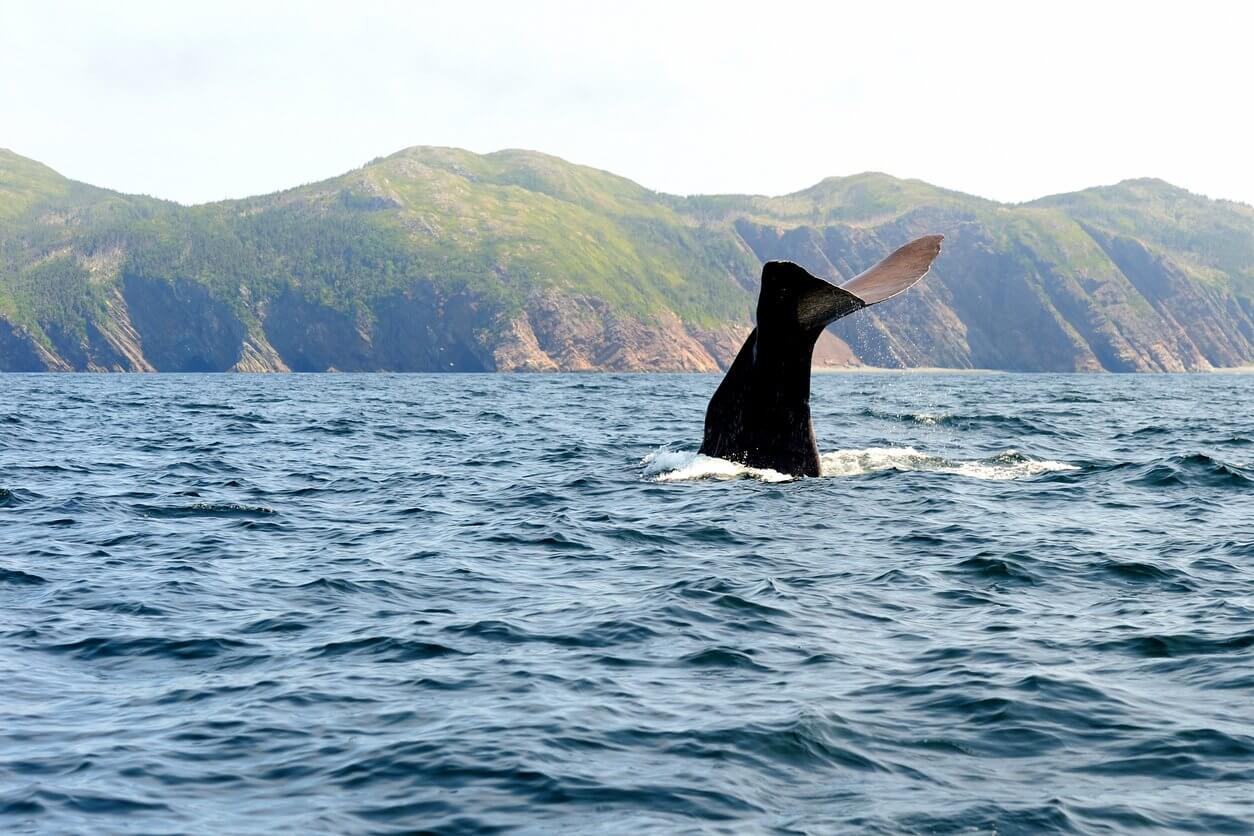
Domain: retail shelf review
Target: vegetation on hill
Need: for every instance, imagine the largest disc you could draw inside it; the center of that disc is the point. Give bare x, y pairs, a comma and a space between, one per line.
437, 259
1213, 239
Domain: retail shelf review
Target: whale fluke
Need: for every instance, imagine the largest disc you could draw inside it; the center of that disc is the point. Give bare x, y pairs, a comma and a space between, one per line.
760, 413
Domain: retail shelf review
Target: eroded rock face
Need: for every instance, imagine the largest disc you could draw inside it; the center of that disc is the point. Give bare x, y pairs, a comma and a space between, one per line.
1208, 326
424, 330
518, 350
831, 352
259, 357
578, 269
89, 351
18, 351
990, 302
995, 303
419, 329
120, 334
567, 333
182, 327
312, 337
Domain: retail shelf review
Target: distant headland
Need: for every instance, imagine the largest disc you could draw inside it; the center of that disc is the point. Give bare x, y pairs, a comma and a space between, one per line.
438, 259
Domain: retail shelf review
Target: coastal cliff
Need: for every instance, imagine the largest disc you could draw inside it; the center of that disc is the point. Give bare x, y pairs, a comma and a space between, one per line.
436, 259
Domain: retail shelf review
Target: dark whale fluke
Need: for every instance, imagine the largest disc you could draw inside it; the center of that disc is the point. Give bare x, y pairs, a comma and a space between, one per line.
760, 414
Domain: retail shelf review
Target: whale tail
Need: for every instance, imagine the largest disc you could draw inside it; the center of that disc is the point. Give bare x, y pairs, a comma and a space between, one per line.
896, 273
760, 413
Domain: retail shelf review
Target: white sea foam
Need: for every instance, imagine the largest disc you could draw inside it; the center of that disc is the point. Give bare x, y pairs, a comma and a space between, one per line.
683, 466
929, 419
1010, 464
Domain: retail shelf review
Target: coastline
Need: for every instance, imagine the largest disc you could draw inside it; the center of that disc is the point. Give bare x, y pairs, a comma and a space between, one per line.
910, 370
1247, 368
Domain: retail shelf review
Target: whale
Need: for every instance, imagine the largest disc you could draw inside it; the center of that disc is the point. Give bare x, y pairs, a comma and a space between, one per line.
760, 414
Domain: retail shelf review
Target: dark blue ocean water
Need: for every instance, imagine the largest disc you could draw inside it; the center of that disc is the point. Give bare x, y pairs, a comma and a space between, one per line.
1015, 604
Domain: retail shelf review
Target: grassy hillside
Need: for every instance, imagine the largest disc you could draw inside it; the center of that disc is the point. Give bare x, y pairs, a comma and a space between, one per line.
436, 258
863, 199
1213, 239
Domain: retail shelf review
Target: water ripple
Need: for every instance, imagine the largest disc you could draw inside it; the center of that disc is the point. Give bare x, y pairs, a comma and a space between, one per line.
476, 604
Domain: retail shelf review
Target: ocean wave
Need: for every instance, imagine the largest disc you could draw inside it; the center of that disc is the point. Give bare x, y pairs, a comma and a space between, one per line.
805, 742
1009, 423
385, 649
1193, 469
104, 647
1171, 645
963, 420
35, 801
1010, 464
205, 509
16, 577
682, 466
475, 622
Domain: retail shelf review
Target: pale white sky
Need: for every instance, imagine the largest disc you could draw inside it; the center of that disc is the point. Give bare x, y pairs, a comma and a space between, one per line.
196, 101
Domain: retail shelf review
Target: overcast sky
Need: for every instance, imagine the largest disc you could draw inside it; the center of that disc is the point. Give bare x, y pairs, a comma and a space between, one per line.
199, 101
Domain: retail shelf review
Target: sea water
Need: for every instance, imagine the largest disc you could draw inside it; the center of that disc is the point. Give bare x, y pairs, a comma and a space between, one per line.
382, 603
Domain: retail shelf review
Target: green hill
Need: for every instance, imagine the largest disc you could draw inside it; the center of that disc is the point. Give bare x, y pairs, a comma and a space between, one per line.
1213, 239
436, 259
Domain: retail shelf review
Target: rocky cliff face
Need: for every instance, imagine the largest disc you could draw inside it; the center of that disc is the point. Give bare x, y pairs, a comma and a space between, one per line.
1207, 324
993, 302
19, 351
440, 260
181, 327
560, 332
178, 327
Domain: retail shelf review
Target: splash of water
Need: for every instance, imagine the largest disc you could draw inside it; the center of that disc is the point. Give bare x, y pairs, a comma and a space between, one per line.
683, 466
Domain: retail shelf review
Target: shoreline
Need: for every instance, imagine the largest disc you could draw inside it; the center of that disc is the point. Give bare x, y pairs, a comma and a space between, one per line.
814, 370
919, 370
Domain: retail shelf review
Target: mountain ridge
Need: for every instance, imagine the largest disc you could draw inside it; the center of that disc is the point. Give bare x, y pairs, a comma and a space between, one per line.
860, 175
435, 258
